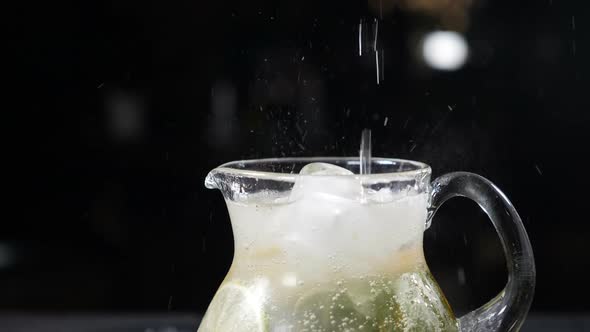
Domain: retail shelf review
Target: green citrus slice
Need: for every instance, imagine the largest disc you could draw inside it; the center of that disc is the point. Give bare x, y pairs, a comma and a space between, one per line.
234, 308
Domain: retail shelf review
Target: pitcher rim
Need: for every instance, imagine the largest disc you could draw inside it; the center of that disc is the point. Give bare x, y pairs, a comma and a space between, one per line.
236, 168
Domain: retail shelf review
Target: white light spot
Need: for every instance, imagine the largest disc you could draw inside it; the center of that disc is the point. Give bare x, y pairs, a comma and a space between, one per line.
444, 50
289, 280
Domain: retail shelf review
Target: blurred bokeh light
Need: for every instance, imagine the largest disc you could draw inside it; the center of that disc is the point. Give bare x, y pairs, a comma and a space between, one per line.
444, 50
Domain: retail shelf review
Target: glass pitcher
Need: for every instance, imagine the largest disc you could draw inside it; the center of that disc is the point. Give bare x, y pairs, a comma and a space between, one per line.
319, 247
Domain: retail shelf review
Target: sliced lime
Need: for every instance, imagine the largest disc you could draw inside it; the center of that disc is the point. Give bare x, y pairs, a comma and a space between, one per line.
234, 308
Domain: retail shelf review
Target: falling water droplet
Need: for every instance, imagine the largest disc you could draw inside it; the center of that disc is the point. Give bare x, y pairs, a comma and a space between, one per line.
461, 275
361, 37
376, 35
365, 152
377, 65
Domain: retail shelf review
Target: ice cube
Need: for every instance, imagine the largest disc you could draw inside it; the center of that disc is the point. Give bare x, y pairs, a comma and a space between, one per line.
321, 196
324, 169
325, 181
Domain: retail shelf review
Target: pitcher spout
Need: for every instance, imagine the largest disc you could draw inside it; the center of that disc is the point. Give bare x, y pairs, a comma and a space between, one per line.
234, 183
212, 180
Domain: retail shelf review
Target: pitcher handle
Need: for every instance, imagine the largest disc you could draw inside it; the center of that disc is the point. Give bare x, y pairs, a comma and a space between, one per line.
508, 310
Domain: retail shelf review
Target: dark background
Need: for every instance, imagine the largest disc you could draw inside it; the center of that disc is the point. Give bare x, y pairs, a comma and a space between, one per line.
122, 107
